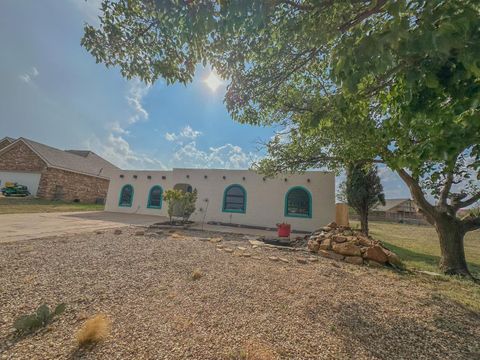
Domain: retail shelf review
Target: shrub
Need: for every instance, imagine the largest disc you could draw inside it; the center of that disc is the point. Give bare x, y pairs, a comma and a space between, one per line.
27, 324
180, 203
94, 330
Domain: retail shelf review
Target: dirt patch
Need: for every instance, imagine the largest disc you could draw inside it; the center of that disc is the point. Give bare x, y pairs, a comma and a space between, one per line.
289, 309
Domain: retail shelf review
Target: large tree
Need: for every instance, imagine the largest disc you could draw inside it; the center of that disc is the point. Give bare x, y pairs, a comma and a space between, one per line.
393, 82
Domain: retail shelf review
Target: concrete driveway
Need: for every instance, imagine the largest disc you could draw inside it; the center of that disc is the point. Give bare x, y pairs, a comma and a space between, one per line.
15, 227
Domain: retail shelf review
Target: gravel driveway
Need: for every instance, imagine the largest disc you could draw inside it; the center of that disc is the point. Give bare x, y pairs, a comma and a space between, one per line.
271, 309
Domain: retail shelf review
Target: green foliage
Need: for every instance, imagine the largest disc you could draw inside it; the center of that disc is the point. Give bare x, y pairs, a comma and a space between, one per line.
180, 203
363, 191
27, 324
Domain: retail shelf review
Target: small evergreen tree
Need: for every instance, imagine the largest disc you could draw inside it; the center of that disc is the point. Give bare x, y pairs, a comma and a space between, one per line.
363, 191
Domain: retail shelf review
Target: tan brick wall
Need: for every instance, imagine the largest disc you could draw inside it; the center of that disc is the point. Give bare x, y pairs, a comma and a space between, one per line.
68, 186
21, 158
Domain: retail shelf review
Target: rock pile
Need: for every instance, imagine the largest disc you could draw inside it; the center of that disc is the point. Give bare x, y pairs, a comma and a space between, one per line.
342, 243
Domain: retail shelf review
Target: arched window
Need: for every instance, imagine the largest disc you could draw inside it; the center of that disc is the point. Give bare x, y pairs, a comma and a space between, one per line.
183, 187
234, 199
298, 202
126, 196
155, 197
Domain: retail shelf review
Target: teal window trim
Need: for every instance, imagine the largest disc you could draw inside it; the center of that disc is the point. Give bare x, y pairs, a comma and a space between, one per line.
120, 198
309, 215
149, 205
239, 211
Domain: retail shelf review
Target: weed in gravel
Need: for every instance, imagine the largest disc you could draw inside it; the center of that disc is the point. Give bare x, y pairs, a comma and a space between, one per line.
27, 324
196, 274
94, 330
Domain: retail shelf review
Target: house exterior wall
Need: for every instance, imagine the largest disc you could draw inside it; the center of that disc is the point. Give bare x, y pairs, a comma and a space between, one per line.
53, 183
265, 202
21, 158
56, 184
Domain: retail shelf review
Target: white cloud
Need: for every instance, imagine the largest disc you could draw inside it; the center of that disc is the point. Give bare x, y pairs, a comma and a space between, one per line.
187, 133
115, 127
227, 156
117, 150
29, 75
137, 90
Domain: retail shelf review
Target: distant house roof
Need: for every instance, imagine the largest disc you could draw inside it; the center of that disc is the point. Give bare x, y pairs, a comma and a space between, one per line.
6, 141
390, 204
81, 161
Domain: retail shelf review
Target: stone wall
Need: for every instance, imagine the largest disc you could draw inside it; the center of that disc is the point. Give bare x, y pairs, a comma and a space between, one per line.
21, 158
56, 184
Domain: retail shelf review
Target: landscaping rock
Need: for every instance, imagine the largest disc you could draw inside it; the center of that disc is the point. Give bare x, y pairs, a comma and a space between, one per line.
283, 260
98, 232
343, 243
215, 240
241, 248
313, 245
357, 260
393, 258
339, 238
313, 259
331, 255
332, 225
326, 244
376, 253
347, 249
228, 250
273, 258
374, 263
140, 233
301, 260
117, 232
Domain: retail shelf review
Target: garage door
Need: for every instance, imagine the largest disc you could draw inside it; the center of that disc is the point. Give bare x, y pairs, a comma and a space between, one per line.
30, 180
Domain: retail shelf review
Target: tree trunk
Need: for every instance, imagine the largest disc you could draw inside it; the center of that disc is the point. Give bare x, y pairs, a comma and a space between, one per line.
450, 233
364, 222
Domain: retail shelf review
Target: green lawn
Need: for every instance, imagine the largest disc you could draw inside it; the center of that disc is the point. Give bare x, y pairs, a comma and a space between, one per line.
9, 205
418, 245
419, 249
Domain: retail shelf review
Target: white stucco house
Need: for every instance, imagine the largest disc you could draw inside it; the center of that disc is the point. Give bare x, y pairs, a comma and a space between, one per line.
239, 197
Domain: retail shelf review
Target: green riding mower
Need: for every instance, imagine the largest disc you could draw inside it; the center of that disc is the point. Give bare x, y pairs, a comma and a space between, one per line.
14, 189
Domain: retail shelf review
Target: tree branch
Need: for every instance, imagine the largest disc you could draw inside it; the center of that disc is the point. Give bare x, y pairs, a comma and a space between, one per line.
471, 223
362, 16
468, 202
427, 209
446, 190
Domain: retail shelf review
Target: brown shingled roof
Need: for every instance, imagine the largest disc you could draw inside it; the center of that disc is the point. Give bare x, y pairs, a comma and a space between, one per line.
82, 161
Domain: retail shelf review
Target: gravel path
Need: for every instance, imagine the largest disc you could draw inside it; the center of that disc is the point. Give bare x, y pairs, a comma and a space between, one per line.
273, 309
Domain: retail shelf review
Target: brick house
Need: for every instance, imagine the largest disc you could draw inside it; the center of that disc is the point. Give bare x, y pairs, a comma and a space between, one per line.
54, 174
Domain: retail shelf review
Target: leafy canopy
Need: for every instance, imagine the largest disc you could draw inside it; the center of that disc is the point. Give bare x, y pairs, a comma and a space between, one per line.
396, 82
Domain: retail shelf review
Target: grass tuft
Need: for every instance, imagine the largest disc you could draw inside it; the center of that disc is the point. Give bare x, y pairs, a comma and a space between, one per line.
197, 274
94, 330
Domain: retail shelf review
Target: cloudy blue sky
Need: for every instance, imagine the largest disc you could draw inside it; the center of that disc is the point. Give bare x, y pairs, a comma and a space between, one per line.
52, 91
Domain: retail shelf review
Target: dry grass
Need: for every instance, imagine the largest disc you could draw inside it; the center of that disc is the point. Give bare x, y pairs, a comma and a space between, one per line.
197, 274
31, 205
94, 330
